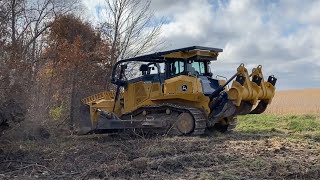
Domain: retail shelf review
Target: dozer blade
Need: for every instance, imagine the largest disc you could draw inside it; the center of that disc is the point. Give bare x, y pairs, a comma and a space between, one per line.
109, 123
261, 107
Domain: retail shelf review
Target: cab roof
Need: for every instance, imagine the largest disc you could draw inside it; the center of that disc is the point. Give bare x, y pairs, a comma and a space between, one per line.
199, 53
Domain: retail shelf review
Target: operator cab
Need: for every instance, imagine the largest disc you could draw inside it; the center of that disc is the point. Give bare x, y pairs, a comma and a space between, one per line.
197, 68
187, 67
157, 67
175, 68
151, 72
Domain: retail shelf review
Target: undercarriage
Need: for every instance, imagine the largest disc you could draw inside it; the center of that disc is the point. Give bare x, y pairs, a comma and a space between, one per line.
169, 119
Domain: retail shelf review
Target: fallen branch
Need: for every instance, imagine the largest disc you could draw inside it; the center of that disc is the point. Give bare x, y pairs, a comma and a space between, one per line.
25, 167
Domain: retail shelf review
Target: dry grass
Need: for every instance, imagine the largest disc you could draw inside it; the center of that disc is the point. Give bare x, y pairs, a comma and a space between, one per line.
305, 101
239, 155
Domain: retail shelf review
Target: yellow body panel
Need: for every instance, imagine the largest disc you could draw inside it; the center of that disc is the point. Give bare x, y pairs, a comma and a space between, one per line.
141, 94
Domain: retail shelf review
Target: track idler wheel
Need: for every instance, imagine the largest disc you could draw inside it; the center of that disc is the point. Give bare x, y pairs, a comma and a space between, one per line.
185, 123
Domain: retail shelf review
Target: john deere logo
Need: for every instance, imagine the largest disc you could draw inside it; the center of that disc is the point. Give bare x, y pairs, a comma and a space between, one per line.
184, 87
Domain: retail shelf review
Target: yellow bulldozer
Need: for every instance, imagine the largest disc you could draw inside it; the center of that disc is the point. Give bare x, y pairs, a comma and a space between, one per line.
175, 93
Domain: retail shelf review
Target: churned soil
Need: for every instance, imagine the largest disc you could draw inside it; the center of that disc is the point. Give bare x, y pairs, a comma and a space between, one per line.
235, 155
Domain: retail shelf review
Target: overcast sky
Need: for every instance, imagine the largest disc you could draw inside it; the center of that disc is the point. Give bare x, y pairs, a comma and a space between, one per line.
281, 35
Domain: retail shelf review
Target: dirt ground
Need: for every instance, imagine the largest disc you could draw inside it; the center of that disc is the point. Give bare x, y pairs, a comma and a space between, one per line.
235, 155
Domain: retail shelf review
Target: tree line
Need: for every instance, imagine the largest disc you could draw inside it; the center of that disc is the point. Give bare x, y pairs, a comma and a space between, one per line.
51, 56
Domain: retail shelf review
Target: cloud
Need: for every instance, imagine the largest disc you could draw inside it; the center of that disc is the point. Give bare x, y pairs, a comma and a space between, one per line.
93, 9
281, 35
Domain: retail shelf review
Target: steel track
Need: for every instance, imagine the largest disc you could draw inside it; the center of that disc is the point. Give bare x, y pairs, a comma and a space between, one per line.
198, 115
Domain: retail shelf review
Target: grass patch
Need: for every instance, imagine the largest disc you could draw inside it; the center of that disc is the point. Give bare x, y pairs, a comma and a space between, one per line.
303, 123
252, 123
272, 124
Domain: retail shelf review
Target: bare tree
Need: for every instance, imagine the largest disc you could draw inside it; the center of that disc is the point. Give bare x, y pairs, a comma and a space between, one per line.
38, 17
74, 59
132, 27
23, 27
4, 13
23, 22
4, 21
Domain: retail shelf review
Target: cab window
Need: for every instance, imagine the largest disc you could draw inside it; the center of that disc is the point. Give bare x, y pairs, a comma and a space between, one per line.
176, 68
199, 67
